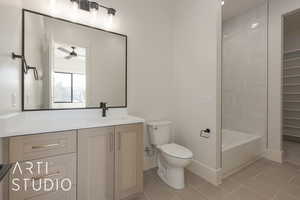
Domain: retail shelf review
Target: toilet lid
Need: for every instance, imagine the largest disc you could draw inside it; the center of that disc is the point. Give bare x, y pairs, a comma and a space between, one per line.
176, 150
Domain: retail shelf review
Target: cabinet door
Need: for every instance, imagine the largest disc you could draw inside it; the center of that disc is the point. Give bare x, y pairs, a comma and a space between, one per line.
96, 164
129, 160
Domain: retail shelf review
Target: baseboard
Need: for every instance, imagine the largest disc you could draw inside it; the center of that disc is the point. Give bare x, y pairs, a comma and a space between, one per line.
213, 176
274, 155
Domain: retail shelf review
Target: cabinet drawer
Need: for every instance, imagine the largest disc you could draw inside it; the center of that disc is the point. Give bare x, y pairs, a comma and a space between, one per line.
56, 195
39, 146
56, 169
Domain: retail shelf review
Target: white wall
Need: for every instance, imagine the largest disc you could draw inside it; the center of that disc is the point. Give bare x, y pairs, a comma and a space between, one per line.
277, 8
196, 84
9, 69
244, 72
11, 41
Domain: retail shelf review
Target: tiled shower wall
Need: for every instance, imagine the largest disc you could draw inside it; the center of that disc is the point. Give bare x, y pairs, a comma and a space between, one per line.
244, 72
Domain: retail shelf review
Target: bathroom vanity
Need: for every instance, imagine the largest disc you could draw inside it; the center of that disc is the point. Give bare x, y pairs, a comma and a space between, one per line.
102, 157
67, 70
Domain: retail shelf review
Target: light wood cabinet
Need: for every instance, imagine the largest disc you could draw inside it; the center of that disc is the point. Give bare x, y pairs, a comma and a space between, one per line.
96, 164
108, 162
129, 161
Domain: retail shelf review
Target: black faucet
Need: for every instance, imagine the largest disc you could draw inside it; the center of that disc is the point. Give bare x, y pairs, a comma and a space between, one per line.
104, 108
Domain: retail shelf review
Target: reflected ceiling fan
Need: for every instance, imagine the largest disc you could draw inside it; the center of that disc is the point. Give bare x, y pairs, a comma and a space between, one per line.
71, 54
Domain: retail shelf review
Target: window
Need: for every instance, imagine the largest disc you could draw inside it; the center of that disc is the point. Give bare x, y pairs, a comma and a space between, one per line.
69, 87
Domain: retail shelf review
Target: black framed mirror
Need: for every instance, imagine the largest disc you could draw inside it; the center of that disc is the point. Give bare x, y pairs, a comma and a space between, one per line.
73, 66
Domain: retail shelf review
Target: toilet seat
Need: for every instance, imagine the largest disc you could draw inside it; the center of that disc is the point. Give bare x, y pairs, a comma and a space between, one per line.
176, 151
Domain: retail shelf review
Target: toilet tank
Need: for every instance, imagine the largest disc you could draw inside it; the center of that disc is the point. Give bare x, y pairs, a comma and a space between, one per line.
159, 132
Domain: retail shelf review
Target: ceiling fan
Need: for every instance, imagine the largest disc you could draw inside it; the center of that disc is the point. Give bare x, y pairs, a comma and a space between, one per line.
71, 54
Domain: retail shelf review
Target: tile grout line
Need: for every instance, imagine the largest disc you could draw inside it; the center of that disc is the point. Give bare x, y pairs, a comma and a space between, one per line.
196, 189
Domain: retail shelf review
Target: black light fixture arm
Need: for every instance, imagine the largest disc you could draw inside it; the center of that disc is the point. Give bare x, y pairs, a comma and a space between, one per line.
110, 11
14, 56
26, 67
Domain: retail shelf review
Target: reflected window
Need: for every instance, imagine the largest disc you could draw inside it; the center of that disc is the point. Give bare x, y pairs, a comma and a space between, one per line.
62, 87
69, 87
79, 88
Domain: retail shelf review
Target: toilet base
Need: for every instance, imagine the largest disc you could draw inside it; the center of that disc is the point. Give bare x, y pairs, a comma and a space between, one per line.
174, 177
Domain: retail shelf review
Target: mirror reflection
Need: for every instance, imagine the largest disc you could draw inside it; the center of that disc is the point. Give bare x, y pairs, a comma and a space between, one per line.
76, 66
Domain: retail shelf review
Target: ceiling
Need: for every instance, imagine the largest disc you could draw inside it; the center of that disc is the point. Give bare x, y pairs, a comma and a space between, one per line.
233, 8
79, 50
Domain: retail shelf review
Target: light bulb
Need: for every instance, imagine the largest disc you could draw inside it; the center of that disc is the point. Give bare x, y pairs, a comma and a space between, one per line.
75, 5
53, 9
110, 19
222, 2
111, 12
94, 12
94, 7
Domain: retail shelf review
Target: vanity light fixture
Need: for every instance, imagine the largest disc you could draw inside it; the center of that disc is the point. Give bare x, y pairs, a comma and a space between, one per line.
74, 4
92, 6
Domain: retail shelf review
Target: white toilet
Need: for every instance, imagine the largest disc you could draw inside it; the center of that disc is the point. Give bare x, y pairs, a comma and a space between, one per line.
172, 158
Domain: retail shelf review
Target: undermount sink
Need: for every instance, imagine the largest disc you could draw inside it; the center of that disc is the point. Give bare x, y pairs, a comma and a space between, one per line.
110, 119
115, 118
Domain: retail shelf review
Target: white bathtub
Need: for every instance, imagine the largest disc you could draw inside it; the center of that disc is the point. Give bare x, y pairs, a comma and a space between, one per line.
239, 150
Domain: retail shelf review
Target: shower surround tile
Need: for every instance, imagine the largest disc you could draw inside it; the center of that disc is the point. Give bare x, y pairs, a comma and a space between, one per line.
244, 72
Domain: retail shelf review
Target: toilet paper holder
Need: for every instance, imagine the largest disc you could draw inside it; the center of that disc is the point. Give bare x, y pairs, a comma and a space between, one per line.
205, 133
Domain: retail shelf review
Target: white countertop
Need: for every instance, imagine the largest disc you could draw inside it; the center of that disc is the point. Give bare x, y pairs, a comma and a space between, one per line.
45, 122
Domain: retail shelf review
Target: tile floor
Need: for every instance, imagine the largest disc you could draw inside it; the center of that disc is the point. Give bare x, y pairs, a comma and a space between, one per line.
292, 152
263, 180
